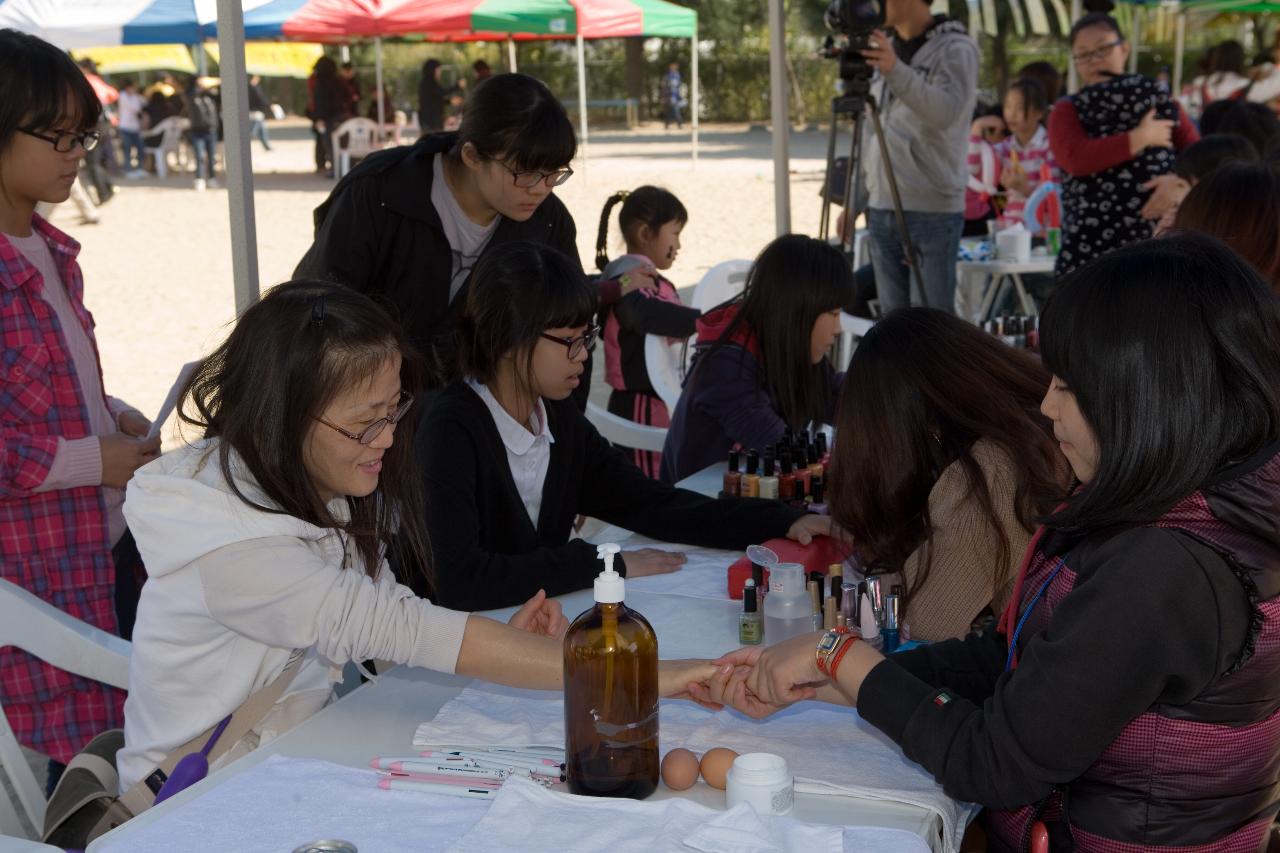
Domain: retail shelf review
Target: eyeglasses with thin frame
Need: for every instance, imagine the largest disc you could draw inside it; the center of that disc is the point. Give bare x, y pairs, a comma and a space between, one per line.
585, 341
527, 180
1097, 54
373, 430
64, 141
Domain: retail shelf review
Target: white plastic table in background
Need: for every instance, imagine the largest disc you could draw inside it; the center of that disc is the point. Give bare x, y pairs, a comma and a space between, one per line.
1001, 273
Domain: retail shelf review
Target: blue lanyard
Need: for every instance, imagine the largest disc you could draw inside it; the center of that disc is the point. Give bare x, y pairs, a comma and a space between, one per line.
1035, 599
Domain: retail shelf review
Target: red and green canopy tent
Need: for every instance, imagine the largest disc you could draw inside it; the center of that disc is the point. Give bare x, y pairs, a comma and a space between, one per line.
477, 20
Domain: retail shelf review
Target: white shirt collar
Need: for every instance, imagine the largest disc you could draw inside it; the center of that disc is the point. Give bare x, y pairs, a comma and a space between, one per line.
515, 436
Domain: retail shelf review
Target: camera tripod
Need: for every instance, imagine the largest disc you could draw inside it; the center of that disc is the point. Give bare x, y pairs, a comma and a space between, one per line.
856, 102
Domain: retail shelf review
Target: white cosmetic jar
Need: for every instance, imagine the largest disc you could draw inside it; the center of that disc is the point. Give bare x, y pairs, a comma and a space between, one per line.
762, 780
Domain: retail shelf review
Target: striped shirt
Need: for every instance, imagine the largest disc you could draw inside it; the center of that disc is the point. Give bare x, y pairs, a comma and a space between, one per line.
1028, 158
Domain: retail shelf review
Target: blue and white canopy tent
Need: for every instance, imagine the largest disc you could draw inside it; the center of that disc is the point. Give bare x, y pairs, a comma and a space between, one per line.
99, 23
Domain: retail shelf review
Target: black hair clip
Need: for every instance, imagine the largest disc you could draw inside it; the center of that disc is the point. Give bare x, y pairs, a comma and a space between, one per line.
317, 314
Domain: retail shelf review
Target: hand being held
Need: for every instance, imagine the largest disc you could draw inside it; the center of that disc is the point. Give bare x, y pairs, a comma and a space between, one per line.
122, 455
540, 615
652, 561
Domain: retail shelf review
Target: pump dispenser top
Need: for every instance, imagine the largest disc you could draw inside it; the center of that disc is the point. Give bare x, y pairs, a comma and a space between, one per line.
610, 586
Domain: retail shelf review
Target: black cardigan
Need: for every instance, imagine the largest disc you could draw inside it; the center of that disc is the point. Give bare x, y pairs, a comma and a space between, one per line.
378, 233
485, 551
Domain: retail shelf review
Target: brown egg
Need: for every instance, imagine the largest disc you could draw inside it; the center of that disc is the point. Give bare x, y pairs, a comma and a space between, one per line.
679, 769
715, 766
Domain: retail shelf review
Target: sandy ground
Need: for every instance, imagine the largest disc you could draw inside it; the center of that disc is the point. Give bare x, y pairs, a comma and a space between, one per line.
158, 266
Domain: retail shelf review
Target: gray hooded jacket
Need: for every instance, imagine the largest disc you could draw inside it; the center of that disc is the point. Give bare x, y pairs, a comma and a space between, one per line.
926, 109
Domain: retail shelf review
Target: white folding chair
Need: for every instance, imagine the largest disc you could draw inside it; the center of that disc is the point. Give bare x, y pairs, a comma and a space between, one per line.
624, 432
44, 631
722, 282
161, 141
355, 138
664, 362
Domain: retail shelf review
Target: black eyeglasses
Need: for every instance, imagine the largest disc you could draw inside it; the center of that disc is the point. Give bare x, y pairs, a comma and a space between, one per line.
583, 342
1098, 54
530, 179
373, 430
64, 141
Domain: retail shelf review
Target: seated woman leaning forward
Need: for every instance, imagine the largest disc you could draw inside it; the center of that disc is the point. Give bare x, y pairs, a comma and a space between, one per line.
1130, 699
266, 536
942, 463
509, 461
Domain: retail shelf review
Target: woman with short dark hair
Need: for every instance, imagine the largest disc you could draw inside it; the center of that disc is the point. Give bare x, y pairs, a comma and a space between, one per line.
1129, 699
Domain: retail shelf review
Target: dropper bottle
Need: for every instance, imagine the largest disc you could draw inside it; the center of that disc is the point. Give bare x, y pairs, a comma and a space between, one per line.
611, 694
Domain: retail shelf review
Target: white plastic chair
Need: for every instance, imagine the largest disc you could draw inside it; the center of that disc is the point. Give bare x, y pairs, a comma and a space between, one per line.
162, 140
44, 631
624, 432
355, 138
664, 362
722, 282
852, 330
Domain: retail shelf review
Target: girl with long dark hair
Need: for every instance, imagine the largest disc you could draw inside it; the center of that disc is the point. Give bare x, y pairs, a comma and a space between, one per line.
1128, 700
510, 462
761, 366
266, 535
942, 464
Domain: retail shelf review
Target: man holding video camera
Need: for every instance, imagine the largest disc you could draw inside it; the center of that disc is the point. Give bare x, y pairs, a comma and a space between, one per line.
926, 90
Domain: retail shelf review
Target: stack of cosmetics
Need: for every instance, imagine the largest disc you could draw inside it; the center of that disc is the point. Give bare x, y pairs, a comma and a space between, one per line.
793, 471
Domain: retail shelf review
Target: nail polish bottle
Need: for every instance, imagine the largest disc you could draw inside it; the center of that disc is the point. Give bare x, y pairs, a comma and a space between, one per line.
786, 480
835, 580
750, 622
757, 578
768, 483
804, 476
824, 455
819, 505
889, 633
750, 486
732, 486
815, 602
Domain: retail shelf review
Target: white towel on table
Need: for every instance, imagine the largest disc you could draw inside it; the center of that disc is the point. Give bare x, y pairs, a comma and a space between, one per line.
828, 745
528, 817
285, 802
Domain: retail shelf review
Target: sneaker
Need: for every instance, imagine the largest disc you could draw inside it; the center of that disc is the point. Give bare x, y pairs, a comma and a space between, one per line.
200, 185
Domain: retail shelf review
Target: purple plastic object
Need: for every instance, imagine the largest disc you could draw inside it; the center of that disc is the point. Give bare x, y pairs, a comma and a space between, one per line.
192, 767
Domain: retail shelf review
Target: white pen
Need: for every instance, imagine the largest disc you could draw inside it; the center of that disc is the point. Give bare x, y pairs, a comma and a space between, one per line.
444, 778
409, 766
435, 788
494, 759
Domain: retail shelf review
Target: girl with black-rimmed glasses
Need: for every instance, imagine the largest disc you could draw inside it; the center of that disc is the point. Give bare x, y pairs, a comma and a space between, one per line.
509, 462
408, 225
68, 448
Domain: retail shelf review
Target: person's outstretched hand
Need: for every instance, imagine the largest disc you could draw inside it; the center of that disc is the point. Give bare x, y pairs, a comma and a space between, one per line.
540, 615
676, 677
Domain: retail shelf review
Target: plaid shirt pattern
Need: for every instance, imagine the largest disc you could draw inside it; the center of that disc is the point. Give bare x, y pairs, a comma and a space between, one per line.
54, 544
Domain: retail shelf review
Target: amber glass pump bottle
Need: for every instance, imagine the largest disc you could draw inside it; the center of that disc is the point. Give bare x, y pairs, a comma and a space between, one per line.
611, 695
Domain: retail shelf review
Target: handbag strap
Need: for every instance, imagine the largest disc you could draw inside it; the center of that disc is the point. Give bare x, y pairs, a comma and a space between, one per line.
252, 711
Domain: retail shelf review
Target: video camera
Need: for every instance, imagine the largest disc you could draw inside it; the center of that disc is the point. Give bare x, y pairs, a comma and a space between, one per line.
855, 20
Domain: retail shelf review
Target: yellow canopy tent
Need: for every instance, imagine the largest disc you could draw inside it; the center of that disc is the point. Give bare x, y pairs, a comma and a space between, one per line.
276, 59
125, 58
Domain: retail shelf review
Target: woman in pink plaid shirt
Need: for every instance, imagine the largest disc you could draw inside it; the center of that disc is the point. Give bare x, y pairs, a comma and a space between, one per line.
68, 448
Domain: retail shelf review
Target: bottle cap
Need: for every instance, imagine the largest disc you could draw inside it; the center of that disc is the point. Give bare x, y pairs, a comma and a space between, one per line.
753, 461
835, 570
733, 460
762, 555
749, 596
768, 465
786, 463
817, 490
610, 587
